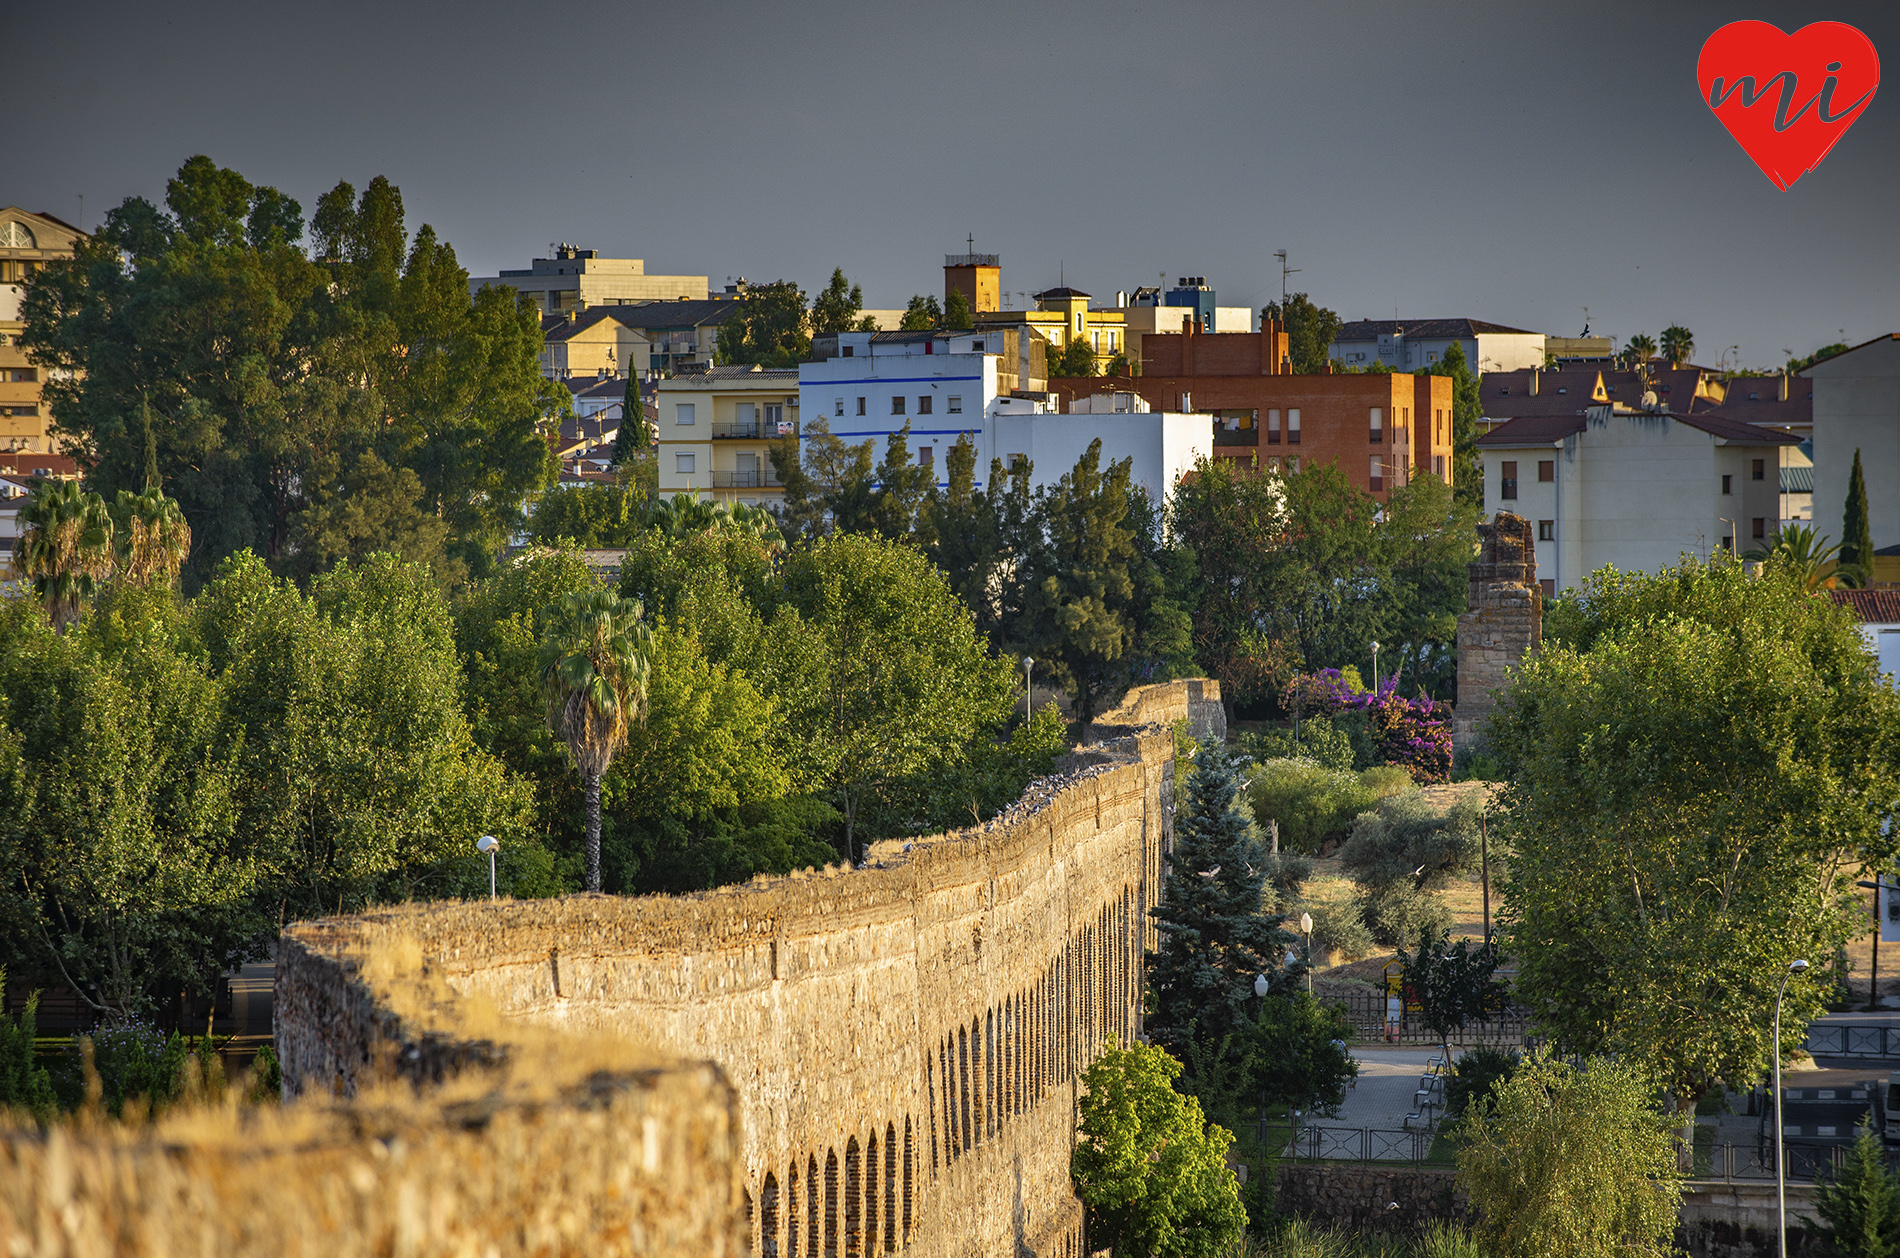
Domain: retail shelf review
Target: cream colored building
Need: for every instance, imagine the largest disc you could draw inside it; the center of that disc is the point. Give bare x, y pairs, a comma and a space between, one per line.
1062, 315
577, 279
28, 242
716, 429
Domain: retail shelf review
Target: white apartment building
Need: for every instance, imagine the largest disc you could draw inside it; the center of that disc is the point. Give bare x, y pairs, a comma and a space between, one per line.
945, 385
1415, 344
1633, 489
1857, 407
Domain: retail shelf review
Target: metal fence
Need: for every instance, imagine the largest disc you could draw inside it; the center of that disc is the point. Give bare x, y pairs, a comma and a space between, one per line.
1366, 1012
1835, 1039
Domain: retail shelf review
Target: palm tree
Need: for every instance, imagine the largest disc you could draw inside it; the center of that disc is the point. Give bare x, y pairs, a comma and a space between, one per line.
1640, 349
593, 665
1678, 344
1802, 551
65, 546
153, 538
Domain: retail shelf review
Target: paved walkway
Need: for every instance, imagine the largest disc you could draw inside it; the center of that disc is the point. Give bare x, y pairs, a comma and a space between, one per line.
1383, 1096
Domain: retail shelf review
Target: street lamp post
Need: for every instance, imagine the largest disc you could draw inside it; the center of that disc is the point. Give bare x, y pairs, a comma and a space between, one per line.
490, 844
1375, 666
1028, 664
1306, 928
1781, 1188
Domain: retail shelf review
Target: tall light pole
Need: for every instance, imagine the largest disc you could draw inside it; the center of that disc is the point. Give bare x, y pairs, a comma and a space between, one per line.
1375, 666
490, 844
1306, 928
1781, 1188
1028, 664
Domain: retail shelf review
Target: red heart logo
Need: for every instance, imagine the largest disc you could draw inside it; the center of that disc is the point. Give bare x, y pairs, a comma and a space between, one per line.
1787, 99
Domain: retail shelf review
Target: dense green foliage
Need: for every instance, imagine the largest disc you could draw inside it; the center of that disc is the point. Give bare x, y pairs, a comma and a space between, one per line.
1453, 983
1402, 851
1698, 774
769, 325
1475, 1075
1571, 1160
25, 1085
307, 405
1310, 330
1148, 1167
1859, 1203
1466, 410
1857, 540
1316, 805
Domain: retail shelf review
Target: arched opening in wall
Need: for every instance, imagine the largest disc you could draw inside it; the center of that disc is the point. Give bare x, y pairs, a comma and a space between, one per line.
768, 1217
871, 1198
989, 1073
811, 1206
976, 1078
831, 1203
907, 1189
791, 1211
963, 1089
746, 1193
853, 1200
890, 1185
930, 1079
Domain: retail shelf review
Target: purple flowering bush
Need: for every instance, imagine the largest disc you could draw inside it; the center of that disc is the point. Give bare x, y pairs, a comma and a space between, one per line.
1414, 734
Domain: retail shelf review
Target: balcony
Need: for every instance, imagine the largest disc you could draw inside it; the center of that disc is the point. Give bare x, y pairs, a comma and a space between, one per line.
763, 478
748, 430
1236, 436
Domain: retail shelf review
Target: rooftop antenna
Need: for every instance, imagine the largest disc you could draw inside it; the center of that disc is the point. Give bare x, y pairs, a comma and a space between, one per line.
972, 241
1284, 272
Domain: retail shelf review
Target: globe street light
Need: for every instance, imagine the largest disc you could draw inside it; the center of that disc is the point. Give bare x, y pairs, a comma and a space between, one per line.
490, 844
1306, 928
1375, 666
1781, 1191
1028, 664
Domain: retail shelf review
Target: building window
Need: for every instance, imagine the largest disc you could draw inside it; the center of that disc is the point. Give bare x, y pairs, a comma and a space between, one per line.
1547, 530
1274, 463
683, 464
976, 347
1438, 466
1549, 587
22, 375
1546, 470
1378, 425
1378, 473
774, 416
1761, 527
1507, 481
923, 404
840, 411
926, 456
897, 405
956, 400
1758, 470
860, 406
683, 413
850, 351
1293, 432
1728, 484
1293, 464
1273, 428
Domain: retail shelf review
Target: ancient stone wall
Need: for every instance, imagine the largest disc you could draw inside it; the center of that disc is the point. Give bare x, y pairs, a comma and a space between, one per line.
905, 1039
1503, 623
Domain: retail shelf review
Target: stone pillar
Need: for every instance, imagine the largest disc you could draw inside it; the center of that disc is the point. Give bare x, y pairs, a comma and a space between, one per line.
1504, 620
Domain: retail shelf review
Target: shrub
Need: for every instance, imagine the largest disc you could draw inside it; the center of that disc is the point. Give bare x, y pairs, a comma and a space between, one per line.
1391, 843
1339, 925
1319, 740
1475, 1075
1384, 728
1314, 805
1397, 912
24, 1083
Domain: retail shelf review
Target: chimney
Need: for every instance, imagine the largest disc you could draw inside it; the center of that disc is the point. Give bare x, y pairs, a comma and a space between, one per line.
1535, 374
1784, 386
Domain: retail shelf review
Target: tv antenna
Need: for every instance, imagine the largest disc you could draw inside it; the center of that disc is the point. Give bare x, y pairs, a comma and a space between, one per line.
1284, 272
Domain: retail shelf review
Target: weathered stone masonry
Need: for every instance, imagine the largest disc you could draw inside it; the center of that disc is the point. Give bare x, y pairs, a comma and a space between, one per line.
905, 1039
1505, 621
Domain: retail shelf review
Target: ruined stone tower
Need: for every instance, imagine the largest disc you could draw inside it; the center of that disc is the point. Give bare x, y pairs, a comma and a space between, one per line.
1504, 621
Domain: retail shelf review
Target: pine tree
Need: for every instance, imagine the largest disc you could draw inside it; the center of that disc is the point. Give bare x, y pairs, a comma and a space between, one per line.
1215, 939
1857, 541
956, 312
1860, 1205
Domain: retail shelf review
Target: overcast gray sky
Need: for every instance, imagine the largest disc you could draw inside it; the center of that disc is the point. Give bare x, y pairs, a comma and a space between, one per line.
1514, 162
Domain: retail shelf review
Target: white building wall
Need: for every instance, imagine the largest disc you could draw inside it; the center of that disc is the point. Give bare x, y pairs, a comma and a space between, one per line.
1160, 445
1857, 407
830, 391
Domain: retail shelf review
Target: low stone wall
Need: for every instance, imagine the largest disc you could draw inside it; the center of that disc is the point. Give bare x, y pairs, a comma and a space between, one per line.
636, 1162
1197, 702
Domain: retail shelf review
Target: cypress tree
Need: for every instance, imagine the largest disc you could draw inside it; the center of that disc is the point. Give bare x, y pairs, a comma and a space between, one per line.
1860, 1205
633, 422
1857, 541
1215, 939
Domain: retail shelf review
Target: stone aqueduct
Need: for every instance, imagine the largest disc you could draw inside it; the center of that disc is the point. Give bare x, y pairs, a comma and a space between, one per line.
903, 1041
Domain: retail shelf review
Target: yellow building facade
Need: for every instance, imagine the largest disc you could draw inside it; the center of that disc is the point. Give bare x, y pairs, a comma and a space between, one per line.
1062, 316
28, 241
716, 431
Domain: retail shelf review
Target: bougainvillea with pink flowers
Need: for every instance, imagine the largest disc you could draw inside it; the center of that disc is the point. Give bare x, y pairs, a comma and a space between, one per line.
1412, 733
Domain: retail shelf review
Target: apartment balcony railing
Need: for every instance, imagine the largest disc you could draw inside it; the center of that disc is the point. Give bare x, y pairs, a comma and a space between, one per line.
1236, 436
748, 429
766, 478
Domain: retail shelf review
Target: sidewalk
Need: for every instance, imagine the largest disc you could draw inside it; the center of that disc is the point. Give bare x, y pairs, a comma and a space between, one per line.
1383, 1096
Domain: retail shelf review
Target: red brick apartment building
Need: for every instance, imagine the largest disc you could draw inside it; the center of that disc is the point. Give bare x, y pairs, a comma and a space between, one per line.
1378, 428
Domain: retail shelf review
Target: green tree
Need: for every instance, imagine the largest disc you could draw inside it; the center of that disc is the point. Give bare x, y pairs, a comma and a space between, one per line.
369, 509
1076, 359
1401, 850
1819, 355
922, 314
1808, 555
1859, 1203
593, 666
1661, 875
1678, 345
632, 435
25, 1085
881, 674
956, 312
899, 489
1310, 331
151, 536
1567, 1160
1640, 349
1467, 408
959, 527
65, 547
1856, 560
1076, 608
1454, 982
1297, 1055
1150, 1170
837, 308
1214, 938
592, 515
768, 326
